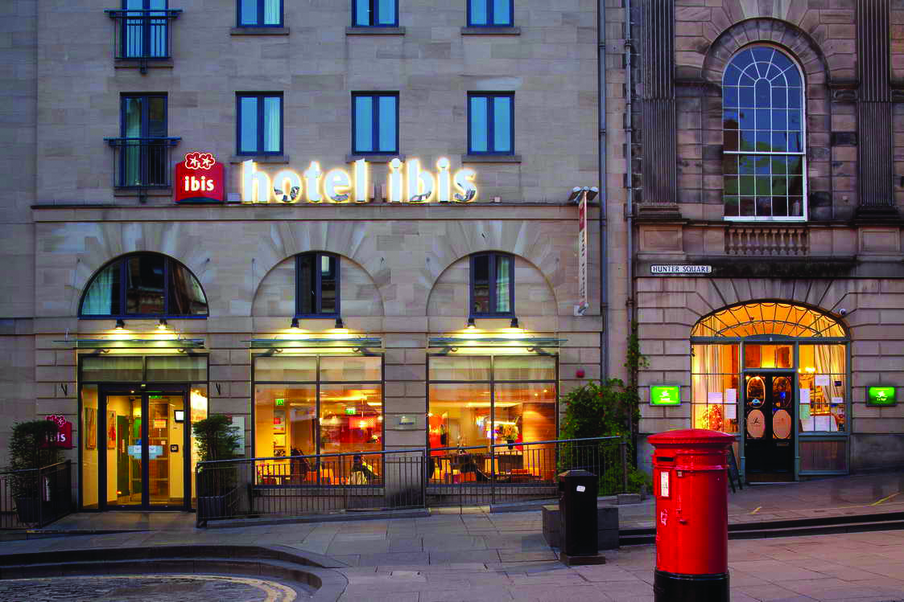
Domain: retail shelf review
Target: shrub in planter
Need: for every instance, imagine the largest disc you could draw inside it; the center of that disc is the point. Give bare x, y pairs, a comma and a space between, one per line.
603, 410
217, 439
29, 451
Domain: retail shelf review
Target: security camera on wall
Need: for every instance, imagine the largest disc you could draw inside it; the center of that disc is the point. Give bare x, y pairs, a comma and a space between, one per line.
842, 312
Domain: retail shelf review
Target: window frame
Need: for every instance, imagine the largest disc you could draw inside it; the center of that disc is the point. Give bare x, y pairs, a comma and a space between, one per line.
145, 112
260, 96
123, 269
375, 117
492, 273
804, 217
374, 12
318, 286
491, 10
260, 15
146, 27
318, 402
491, 123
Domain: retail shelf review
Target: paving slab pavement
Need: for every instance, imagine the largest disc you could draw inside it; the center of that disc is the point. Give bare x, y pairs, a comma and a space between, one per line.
477, 556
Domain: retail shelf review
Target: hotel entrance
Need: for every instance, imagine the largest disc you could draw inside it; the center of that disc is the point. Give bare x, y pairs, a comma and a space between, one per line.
136, 450
149, 431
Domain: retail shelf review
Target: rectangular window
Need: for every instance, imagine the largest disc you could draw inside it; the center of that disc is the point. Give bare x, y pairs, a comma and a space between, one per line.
502, 401
375, 13
822, 380
144, 156
714, 387
259, 122
491, 127
375, 123
145, 27
492, 285
490, 13
260, 13
323, 405
317, 279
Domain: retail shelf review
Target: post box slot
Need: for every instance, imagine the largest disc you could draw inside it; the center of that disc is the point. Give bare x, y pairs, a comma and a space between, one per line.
665, 459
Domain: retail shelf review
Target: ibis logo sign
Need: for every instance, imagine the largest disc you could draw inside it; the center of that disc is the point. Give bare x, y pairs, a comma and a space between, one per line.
199, 179
665, 395
408, 182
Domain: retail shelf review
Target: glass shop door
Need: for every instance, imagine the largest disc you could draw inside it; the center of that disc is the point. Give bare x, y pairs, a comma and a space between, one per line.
769, 427
146, 434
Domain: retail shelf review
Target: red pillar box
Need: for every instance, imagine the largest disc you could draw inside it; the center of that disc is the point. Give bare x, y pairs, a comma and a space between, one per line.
690, 484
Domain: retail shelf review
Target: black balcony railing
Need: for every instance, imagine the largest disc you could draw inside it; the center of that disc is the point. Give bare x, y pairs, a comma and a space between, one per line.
142, 163
142, 35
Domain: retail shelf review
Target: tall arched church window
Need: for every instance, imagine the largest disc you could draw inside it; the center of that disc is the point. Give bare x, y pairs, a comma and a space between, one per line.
143, 285
764, 144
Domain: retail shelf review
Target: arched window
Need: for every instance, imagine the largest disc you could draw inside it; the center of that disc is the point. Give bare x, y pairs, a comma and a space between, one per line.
146, 285
317, 285
764, 153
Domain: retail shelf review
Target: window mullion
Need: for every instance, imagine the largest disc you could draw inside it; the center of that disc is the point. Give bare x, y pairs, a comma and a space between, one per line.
491, 278
122, 285
491, 120
491, 12
375, 121
260, 124
260, 12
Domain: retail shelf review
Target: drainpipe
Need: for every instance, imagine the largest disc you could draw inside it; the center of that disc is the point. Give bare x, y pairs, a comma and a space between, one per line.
604, 276
629, 207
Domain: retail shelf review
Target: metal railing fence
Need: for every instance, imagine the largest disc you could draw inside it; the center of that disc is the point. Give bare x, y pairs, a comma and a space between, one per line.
35, 497
521, 471
287, 486
311, 484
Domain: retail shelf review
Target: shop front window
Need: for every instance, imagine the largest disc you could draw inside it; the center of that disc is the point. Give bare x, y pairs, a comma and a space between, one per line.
481, 401
822, 381
306, 405
714, 382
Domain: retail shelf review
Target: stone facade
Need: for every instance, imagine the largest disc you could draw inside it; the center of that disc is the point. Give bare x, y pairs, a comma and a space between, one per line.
405, 274
844, 257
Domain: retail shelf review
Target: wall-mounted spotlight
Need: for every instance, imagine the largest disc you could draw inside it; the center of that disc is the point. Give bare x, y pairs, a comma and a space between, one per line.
294, 325
471, 323
339, 323
120, 325
575, 194
591, 194
162, 325
514, 323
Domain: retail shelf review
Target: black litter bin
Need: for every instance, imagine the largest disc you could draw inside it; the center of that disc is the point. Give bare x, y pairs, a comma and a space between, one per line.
578, 513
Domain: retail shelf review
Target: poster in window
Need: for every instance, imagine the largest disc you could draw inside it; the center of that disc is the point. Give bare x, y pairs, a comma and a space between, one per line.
111, 429
90, 428
279, 421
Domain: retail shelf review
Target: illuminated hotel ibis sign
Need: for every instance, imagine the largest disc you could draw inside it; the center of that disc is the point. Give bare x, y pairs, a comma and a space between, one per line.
199, 179
408, 182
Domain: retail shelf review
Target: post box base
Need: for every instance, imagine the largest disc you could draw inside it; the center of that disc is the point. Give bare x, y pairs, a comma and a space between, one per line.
671, 587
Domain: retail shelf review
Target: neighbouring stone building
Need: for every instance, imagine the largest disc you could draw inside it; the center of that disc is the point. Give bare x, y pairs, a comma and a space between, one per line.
764, 152
324, 295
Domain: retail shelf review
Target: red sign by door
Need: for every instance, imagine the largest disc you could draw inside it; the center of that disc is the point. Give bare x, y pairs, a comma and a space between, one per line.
199, 179
63, 437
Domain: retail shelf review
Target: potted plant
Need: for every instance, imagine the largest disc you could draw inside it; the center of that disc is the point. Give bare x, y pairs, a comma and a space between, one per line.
29, 450
217, 439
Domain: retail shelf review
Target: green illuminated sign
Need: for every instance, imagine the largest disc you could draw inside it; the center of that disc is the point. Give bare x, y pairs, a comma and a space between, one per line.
351, 411
280, 402
880, 396
665, 395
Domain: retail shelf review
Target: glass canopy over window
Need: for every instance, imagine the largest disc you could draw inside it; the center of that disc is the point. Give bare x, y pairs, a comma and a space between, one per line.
768, 318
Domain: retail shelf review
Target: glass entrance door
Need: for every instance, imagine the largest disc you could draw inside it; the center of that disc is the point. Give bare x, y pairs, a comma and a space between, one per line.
146, 437
769, 427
